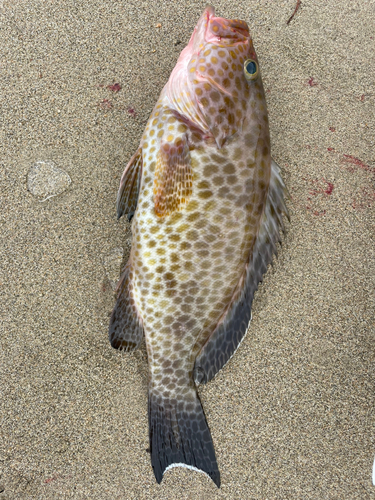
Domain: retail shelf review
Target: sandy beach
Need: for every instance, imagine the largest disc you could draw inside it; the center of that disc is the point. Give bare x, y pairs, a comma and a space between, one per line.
292, 413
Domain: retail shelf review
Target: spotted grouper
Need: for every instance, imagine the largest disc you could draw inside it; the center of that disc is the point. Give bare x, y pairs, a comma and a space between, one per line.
207, 202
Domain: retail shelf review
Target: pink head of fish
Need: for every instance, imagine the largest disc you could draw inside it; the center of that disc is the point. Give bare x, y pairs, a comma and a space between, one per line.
208, 86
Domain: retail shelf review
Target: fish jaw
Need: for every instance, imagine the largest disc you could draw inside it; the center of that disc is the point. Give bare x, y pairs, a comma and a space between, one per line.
197, 38
217, 30
214, 30
199, 33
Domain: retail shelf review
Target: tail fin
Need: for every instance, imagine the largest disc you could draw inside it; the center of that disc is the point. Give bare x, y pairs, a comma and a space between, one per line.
180, 437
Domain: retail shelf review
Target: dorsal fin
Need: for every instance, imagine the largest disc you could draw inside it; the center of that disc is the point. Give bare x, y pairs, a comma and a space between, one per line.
228, 335
127, 196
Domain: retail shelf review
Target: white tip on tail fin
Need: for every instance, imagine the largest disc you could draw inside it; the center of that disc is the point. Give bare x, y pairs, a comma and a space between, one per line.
172, 466
180, 437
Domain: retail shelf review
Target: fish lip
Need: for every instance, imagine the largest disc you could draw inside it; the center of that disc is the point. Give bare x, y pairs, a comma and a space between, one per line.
234, 27
232, 32
210, 11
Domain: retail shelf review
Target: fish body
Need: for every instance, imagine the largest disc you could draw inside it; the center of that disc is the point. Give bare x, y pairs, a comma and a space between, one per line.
207, 201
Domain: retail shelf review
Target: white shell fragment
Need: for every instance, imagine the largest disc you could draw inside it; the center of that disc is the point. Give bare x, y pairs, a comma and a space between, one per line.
45, 180
112, 265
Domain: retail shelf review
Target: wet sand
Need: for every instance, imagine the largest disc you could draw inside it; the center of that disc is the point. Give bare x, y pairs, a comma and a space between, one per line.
291, 414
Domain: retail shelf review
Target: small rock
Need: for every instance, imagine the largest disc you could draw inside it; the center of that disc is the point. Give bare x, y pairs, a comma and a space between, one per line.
112, 265
45, 180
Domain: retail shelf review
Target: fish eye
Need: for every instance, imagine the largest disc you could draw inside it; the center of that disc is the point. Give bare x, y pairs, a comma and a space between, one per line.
250, 69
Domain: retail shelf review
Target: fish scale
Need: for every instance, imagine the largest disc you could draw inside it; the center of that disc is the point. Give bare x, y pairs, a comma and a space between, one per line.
208, 204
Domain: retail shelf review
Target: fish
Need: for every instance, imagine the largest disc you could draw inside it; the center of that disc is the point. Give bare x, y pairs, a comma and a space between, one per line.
206, 203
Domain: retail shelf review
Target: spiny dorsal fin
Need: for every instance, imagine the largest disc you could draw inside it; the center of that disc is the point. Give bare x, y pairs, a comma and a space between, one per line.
226, 338
127, 196
173, 182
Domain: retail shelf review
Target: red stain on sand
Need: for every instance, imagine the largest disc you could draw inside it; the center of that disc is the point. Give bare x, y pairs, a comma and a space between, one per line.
332, 129
311, 82
132, 112
116, 87
105, 104
353, 160
319, 189
56, 478
47, 481
330, 188
365, 195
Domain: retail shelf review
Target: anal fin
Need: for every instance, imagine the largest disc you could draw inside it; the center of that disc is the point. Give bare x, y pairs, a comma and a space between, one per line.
127, 196
228, 335
125, 326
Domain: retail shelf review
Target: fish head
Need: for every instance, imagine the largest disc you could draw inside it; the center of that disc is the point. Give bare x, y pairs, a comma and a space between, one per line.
217, 77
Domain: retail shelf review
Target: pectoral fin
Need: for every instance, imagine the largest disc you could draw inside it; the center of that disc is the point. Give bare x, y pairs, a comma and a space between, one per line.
173, 182
231, 329
127, 196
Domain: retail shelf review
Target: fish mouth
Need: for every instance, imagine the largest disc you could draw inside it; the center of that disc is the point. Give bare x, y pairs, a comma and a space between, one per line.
219, 30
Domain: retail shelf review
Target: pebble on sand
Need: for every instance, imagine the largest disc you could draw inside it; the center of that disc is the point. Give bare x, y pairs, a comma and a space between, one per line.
45, 180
